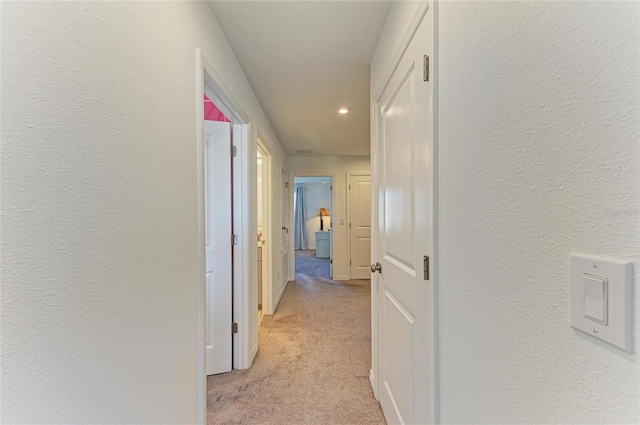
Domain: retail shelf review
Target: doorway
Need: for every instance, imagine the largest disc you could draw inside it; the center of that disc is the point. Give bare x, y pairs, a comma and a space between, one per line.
313, 237
263, 192
229, 310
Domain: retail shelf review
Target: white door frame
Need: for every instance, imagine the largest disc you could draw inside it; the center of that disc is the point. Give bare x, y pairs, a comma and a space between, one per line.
349, 175
267, 227
244, 210
292, 218
419, 13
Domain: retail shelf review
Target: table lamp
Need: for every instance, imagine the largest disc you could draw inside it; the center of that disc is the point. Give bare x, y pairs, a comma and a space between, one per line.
322, 212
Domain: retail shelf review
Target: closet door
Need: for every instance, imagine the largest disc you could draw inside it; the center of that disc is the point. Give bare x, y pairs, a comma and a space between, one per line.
218, 249
285, 226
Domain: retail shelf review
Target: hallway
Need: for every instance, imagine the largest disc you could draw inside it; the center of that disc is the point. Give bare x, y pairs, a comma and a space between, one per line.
313, 363
483, 158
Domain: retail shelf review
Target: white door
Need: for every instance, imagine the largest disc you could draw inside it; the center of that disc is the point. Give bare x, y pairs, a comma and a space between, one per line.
405, 297
285, 229
217, 139
285, 210
360, 226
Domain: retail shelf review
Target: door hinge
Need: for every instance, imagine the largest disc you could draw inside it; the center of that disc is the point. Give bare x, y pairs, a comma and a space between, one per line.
426, 68
286, 184
350, 262
426, 268
330, 187
349, 225
331, 261
234, 151
234, 239
234, 328
349, 187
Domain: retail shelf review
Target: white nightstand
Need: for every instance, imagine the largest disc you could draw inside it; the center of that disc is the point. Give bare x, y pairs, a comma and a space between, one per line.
323, 244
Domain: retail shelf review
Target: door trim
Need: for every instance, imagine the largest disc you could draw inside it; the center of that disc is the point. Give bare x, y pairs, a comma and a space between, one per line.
349, 175
242, 254
421, 10
267, 228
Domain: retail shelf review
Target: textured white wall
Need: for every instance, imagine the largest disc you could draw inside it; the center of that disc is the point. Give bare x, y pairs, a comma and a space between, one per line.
538, 142
539, 125
538, 157
99, 208
337, 166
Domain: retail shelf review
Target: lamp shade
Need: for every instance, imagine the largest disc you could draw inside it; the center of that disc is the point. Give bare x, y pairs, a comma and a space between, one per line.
322, 212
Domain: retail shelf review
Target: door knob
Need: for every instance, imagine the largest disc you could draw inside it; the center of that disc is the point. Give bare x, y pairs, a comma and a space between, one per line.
377, 267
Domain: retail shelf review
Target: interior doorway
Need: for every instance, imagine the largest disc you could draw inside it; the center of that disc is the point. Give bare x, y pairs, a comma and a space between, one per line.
313, 236
224, 320
263, 184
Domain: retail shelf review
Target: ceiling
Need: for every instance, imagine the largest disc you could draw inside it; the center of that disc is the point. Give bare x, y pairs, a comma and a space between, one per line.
305, 60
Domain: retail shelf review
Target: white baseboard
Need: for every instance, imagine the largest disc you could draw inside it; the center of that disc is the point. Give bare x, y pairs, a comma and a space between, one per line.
275, 305
343, 277
372, 379
254, 352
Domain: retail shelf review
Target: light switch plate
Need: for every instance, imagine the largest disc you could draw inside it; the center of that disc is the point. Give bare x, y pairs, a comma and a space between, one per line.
615, 275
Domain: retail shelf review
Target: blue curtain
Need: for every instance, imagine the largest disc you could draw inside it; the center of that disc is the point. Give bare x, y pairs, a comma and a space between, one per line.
301, 221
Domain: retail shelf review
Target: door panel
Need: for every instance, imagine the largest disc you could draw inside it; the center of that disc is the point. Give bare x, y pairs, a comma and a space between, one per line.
364, 254
404, 188
363, 214
397, 117
399, 328
218, 222
360, 226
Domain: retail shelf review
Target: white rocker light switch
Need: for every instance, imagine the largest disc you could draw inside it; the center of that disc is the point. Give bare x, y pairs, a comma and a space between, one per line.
601, 298
595, 298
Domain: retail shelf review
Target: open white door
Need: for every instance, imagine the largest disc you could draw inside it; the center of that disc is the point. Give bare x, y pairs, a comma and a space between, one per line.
217, 139
360, 226
405, 306
285, 228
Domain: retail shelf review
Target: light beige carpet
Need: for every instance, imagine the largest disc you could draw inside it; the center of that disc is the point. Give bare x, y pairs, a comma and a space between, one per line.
313, 363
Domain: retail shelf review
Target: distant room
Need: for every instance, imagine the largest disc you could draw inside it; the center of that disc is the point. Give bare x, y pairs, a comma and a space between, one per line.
313, 235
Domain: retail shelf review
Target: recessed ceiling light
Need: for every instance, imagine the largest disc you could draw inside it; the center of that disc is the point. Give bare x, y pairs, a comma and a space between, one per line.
343, 110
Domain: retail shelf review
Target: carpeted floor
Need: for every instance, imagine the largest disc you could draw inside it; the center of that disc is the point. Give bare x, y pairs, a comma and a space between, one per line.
314, 358
307, 264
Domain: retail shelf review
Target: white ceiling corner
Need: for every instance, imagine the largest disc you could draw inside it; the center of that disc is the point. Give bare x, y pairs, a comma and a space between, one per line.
305, 60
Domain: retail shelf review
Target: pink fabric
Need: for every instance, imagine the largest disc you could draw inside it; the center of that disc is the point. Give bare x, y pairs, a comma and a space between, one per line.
211, 111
